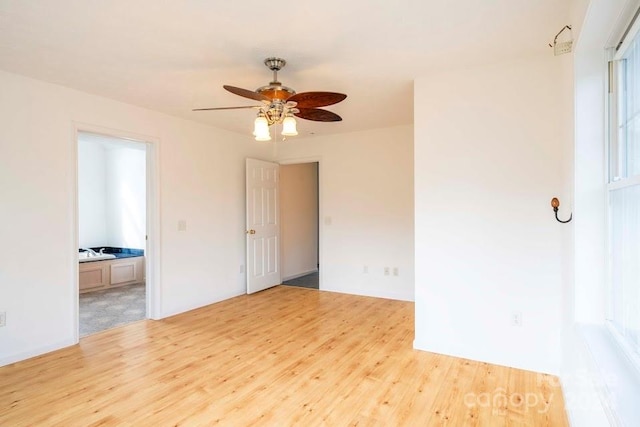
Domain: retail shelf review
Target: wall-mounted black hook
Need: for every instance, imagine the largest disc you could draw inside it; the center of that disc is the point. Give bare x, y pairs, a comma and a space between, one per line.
555, 40
555, 203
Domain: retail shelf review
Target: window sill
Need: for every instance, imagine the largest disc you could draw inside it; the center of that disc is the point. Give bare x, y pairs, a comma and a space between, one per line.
618, 377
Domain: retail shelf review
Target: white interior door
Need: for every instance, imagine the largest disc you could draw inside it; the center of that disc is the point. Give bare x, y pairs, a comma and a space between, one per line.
263, 225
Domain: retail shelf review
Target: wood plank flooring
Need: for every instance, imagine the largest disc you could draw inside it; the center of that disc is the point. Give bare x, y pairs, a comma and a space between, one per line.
284, 356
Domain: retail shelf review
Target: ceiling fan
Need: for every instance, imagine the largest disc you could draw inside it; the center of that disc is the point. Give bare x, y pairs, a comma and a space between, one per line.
280, 103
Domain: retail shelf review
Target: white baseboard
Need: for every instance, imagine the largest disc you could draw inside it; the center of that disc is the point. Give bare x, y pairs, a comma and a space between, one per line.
377, 293
295, 276
218, 298
18, 357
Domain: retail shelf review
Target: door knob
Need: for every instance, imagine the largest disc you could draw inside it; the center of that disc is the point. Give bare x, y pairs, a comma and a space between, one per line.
251, 231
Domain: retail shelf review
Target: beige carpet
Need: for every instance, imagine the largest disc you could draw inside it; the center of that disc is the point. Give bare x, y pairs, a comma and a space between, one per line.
106, 309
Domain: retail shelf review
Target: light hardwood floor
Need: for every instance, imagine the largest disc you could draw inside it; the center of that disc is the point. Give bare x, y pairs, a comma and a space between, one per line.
285, 356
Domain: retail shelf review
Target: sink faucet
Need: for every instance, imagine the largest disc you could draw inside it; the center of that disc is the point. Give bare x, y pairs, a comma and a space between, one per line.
91, 252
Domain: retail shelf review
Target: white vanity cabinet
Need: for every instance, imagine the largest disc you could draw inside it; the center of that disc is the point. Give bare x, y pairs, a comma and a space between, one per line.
111, 273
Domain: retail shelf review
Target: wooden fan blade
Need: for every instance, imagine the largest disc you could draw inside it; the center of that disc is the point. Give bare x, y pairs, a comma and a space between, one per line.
246, 93
317, 99
226, 108
318, 115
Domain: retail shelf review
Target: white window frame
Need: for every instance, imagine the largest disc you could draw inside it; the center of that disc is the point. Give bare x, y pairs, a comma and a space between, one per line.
617, 177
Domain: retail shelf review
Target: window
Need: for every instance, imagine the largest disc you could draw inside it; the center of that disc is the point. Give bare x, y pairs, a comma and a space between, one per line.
625, 146
624, 195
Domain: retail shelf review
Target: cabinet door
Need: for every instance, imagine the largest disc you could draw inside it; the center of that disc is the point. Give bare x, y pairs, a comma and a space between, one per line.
140, 269
123, 272
92, 277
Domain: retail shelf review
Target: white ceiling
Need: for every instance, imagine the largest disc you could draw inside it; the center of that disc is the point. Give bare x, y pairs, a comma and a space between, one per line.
173, 56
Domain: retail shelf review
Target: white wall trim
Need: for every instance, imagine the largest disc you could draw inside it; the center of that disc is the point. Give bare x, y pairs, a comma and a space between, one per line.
300, 160
614, 374
377, 293
75, 272
624, 183
295, 276
113, 133
186, 308
37, 351
152, 250
153, 278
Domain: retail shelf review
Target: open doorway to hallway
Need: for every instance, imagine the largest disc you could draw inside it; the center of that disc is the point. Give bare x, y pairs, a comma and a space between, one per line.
112, 231
299, 206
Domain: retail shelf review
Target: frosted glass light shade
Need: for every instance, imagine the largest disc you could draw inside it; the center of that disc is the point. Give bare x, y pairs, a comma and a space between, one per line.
261, 129
289, 126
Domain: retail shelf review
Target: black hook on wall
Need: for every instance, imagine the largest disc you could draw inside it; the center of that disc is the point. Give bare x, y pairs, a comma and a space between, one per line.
555, 40
555, 203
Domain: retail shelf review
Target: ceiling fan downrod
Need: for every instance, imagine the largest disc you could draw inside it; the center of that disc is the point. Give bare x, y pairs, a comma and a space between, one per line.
275, 90
275, 65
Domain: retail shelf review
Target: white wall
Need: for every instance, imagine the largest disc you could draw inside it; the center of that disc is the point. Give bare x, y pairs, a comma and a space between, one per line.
602, 18
594, 22
126, 197
366, 208
590, 187
201, 180
111, 192
92, 195
488, 159
299, 219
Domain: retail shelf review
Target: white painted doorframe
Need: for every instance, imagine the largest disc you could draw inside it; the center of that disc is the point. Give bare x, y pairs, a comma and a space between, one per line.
152, 250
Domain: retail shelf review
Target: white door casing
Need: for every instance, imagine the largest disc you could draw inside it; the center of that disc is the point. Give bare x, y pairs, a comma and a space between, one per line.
263, 225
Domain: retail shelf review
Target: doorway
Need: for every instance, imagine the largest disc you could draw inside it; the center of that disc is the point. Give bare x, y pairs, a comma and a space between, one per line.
300, 228
112, 194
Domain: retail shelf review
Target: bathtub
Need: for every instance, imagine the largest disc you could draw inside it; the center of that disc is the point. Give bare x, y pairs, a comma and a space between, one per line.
108, 252
113, 267
87, 256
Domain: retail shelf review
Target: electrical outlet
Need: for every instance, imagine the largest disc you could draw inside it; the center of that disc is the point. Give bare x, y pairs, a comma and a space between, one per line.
386, 271
3, 318
365, 269
516, 318
241, 268
396, 272
182, 225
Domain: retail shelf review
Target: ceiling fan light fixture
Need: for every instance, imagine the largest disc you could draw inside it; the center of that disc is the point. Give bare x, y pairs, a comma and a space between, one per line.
281, 103
289, 126
261, 128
